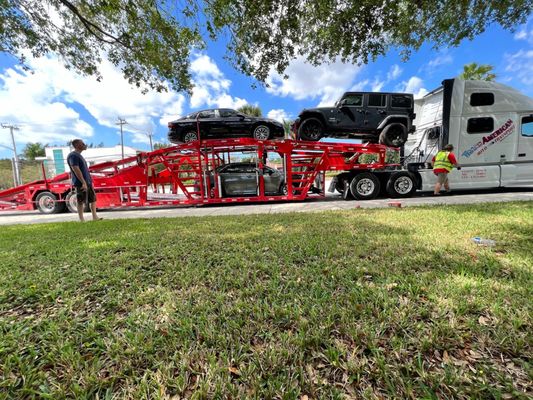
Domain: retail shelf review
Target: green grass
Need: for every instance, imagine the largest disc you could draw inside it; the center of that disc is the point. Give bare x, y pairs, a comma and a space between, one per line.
394, 303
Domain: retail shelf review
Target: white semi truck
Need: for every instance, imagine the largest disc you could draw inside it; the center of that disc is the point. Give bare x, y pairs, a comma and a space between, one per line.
490, 126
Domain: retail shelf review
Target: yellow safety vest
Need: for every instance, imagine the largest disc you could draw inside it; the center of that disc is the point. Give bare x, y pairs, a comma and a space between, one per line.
442, 161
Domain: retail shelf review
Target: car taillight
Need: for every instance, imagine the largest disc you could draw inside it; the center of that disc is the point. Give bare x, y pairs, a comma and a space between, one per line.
170, 125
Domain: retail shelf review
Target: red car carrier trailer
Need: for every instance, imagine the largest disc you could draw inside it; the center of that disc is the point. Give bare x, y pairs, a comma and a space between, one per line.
188, 174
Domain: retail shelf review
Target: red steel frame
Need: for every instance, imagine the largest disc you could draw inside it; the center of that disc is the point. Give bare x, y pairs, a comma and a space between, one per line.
180, 175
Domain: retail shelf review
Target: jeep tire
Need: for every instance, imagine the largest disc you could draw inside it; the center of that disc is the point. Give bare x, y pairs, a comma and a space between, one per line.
394, 135
311, 129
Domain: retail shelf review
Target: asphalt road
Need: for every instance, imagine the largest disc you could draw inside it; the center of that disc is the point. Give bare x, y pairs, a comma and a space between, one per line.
331, 202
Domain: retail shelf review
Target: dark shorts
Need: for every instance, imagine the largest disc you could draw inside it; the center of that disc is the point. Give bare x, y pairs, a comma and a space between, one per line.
85, 196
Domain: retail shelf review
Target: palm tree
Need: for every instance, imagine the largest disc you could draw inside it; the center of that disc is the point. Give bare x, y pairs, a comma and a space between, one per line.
253, 111
480, 72
287, 127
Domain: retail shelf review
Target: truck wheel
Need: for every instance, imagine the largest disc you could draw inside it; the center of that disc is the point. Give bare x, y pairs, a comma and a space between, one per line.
47, 203
401, 184
72, 203
394, 135
311, 129
365, 186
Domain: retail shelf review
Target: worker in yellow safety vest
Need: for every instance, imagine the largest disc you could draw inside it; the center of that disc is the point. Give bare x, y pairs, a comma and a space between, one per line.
443, 163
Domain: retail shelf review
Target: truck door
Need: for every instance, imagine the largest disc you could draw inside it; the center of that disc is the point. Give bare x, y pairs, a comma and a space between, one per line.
525, 139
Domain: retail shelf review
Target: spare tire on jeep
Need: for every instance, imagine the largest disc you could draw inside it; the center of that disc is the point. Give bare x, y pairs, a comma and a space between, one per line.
394, 135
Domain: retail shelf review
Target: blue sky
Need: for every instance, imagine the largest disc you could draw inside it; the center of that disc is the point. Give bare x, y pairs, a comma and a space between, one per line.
52, 105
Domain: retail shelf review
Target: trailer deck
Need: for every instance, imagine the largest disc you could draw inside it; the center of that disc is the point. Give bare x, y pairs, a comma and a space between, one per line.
186, 174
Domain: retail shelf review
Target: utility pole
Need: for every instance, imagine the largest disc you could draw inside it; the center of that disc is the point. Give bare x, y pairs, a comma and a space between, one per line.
150, 134
121, 122
12, 128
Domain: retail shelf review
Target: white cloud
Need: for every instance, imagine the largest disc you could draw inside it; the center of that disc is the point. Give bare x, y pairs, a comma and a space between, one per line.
441, 59
327, 81
279, 115
521, 34
41, 101
210, 86
359, 86
520, 64
525, 32
394, 73
414, 85
377, 85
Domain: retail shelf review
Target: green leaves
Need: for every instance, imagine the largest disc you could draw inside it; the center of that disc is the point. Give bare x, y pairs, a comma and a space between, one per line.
476, 71
151, 41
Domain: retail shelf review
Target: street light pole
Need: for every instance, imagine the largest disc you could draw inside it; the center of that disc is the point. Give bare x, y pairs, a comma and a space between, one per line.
121, 122
17, 171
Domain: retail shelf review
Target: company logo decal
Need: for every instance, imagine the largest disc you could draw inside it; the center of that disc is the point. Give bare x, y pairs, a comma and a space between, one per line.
497, 136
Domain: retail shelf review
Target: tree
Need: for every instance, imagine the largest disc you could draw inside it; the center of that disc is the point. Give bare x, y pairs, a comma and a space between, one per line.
151, 40
287, 123
141, 37
480, 72
249, 109
159, 145
33, 150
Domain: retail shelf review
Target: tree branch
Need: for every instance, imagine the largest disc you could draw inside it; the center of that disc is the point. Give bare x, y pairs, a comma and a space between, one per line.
90, 25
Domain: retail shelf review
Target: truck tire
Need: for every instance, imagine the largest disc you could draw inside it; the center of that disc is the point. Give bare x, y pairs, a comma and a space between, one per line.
311, 129
47, 203
401, 184
365, 186
394, 135
71, 203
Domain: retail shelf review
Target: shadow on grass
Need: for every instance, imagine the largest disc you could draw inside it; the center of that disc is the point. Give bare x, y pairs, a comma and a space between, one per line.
358, 304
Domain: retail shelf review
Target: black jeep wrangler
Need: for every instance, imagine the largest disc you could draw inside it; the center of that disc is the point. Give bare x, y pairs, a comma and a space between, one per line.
383, 117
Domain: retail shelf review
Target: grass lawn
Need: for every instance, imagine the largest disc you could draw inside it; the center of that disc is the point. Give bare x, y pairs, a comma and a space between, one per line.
394, 303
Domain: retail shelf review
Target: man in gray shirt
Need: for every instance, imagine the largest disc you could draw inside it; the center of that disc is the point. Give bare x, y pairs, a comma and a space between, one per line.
81, 179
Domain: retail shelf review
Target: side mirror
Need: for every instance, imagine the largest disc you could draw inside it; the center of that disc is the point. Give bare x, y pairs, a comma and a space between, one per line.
269, 171
241, 116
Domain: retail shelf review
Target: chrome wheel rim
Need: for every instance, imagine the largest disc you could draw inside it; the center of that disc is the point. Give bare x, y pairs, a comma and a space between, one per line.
261, 132
47, 203
72, 202
190, 137
403, 185
365, 186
